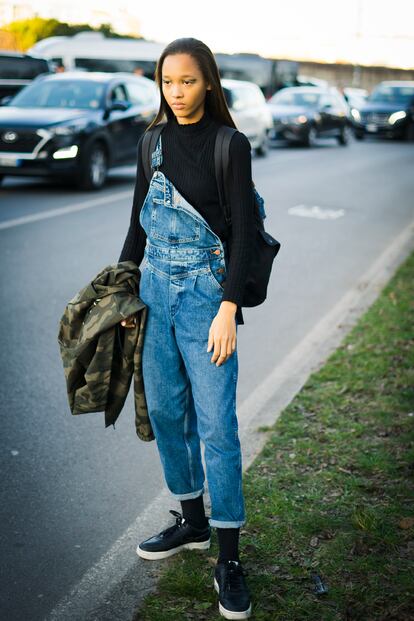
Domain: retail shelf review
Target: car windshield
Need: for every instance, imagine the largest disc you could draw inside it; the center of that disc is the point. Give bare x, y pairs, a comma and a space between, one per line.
295, 98
392, 94
60, 94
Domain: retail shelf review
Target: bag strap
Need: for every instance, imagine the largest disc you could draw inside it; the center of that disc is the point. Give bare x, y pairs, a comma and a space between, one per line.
221, 164
149, 143
221, 160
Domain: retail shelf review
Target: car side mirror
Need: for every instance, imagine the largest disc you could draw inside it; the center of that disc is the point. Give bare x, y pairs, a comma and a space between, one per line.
119, 105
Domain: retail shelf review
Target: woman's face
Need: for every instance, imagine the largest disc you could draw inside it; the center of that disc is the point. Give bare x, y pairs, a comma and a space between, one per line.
184, 84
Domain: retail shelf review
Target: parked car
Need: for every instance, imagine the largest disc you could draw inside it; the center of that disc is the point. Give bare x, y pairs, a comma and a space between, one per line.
388, 111
249, 111
305, 113
75, 125
18, 70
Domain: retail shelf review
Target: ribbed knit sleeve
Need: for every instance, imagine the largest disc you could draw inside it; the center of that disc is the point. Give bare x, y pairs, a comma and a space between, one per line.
134, 245
241, 200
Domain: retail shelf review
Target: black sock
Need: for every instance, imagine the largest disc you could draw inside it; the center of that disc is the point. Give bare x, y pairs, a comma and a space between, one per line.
228, 539
193, 511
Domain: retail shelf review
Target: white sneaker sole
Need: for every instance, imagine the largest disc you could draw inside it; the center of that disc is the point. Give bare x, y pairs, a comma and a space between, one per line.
231, 614
153, 556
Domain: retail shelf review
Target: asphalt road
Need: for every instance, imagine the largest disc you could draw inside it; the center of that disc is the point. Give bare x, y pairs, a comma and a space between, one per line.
70, 486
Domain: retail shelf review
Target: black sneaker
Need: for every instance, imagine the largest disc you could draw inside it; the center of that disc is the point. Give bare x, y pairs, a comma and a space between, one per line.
234, 596
174, 538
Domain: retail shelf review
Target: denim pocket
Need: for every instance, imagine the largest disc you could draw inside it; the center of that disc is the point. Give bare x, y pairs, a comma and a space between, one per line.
217, 275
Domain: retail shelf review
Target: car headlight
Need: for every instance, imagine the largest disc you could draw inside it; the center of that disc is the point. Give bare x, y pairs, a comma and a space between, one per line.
396, 116
66, 153
356, 115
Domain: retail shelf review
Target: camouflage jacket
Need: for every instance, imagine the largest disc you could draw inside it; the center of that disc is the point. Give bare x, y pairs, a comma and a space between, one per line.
99, 355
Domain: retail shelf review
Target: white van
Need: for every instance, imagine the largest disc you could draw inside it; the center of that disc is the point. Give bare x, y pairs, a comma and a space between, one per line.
92, 51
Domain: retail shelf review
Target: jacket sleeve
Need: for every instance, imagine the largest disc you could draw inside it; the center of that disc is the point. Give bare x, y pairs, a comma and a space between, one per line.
134, 244
241, 200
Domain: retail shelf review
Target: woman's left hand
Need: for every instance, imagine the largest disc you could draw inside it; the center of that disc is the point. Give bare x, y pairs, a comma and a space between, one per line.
222, 334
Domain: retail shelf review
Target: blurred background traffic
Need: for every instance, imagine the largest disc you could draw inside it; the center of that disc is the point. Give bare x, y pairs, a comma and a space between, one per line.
73, 107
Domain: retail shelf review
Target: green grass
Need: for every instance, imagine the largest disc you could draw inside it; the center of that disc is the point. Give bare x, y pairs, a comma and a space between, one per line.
331, 494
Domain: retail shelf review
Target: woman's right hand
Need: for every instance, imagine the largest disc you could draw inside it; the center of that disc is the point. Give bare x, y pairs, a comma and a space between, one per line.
129, 322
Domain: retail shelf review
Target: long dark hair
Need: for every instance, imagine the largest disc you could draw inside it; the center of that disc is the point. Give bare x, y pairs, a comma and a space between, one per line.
215, 101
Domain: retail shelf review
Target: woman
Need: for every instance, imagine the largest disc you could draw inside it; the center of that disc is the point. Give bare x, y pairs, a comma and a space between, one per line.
192, 285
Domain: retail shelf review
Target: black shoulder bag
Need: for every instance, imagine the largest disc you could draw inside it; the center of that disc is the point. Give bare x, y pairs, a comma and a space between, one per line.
265, 247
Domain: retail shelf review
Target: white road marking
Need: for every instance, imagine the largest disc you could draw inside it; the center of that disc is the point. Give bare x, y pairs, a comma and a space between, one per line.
321, 213
262, 408
62, 211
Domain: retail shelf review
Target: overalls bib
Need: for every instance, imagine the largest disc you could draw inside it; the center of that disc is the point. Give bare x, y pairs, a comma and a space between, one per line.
188, 397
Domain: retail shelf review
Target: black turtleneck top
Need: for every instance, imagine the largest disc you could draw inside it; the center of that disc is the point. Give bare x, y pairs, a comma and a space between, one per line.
188, 162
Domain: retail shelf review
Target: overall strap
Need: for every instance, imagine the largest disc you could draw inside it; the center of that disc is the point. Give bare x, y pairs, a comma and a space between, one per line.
221, 164
149, 143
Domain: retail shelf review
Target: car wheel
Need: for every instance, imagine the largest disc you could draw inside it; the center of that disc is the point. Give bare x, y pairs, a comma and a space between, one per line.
310, 140
94, 168
1, 179
343, 137
263, 148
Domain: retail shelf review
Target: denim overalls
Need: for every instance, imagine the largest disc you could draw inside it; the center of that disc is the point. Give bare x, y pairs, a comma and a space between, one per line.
188, 397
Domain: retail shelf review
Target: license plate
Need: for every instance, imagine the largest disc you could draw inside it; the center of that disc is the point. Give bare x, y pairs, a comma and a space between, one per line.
6, 161
371, 127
